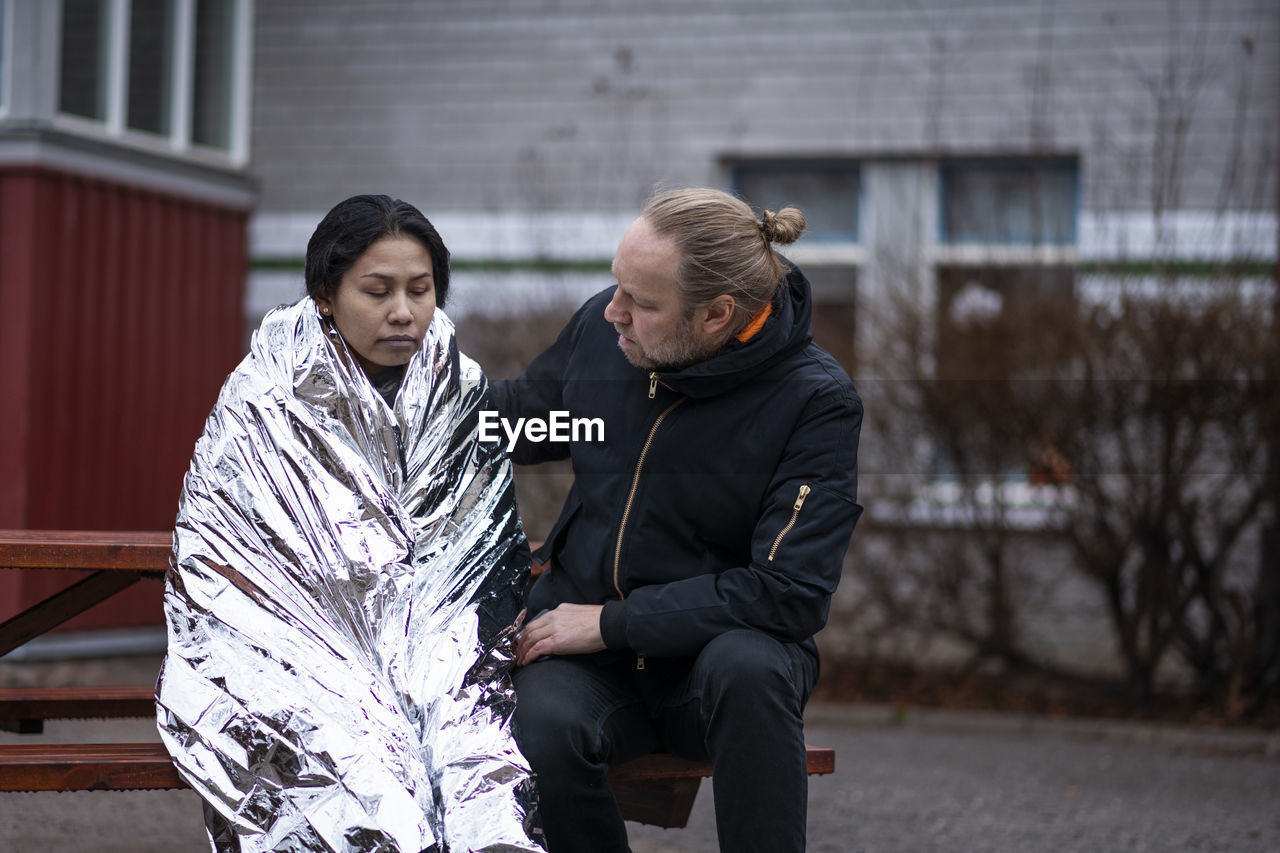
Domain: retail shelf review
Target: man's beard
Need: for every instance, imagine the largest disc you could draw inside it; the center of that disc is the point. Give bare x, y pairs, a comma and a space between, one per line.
675, 352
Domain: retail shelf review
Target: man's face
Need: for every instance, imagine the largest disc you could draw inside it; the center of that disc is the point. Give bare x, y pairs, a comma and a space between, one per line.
655, 331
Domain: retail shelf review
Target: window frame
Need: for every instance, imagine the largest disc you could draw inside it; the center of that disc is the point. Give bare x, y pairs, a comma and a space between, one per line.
178, 141
1028, 250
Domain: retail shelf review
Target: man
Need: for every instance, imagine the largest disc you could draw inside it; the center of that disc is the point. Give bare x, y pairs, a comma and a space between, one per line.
698, 549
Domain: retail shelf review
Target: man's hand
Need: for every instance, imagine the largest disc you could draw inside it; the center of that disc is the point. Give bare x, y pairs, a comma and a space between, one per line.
570, 629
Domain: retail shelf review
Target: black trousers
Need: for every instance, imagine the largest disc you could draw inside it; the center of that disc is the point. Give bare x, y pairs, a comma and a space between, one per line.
739, 704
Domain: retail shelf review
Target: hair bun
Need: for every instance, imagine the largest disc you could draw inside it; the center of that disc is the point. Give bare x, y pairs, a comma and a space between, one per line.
784, 226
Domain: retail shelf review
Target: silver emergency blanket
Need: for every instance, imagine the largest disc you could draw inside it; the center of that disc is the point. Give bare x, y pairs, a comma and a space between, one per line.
345, 579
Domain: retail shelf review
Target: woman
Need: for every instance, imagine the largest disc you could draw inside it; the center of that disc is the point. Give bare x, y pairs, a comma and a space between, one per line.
347, 568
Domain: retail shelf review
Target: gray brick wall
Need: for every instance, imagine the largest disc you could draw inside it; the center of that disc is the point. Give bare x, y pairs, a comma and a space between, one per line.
493, 105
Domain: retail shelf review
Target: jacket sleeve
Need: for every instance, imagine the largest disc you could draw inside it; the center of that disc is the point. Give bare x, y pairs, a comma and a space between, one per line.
797, 550
538, 392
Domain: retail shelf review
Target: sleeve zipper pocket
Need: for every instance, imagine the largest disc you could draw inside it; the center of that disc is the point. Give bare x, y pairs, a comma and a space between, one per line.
795, 513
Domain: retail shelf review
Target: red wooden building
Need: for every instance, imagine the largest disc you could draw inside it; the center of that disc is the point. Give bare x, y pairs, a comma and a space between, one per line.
124, 204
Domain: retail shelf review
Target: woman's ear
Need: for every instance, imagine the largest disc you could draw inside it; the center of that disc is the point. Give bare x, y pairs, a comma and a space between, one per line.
323, 306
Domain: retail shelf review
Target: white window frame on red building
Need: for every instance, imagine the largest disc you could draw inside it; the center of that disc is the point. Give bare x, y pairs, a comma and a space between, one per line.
113, 67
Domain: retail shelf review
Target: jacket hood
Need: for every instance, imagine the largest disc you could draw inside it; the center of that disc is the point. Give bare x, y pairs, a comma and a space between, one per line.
788, 329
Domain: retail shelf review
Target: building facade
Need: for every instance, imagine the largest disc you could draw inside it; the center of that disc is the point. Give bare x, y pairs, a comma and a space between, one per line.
124, 205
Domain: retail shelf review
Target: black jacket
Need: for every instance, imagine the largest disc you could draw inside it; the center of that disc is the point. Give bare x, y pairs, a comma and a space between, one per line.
722, 496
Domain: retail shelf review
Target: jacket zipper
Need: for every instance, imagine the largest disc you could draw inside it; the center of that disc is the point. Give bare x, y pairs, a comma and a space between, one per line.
631, 496
795, 513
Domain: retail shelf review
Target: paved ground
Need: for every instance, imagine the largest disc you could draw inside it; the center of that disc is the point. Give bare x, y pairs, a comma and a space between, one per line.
1000, 783
926, 781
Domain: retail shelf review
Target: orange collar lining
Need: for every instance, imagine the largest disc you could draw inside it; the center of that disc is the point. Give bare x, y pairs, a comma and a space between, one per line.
756, 324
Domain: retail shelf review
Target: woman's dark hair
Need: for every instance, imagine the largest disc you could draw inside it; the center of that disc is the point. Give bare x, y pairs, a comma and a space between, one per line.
352, 226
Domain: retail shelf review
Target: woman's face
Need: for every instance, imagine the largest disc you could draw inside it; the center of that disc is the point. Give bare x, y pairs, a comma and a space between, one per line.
385, 303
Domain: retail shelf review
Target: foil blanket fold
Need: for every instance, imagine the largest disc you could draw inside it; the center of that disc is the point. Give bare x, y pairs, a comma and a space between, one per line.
345, 579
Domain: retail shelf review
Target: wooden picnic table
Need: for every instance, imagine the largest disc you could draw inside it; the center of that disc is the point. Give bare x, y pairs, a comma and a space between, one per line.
112, 561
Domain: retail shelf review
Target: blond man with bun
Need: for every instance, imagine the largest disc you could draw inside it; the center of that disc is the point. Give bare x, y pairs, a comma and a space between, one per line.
696, 554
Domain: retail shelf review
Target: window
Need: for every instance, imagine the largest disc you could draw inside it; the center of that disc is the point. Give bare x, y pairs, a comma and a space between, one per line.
995, 347
163, 70
1005, 261
1006, 202
1005, 275
834, 310
829, 195
150, 85
988, 317
4, 55
211, 122
82, 84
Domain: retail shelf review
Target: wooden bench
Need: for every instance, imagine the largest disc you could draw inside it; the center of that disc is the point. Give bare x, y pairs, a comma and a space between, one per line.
656, 789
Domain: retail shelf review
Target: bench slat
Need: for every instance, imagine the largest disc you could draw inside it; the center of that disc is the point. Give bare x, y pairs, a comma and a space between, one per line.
85, 549
16, 758
86, 767
656, 789
24, 709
